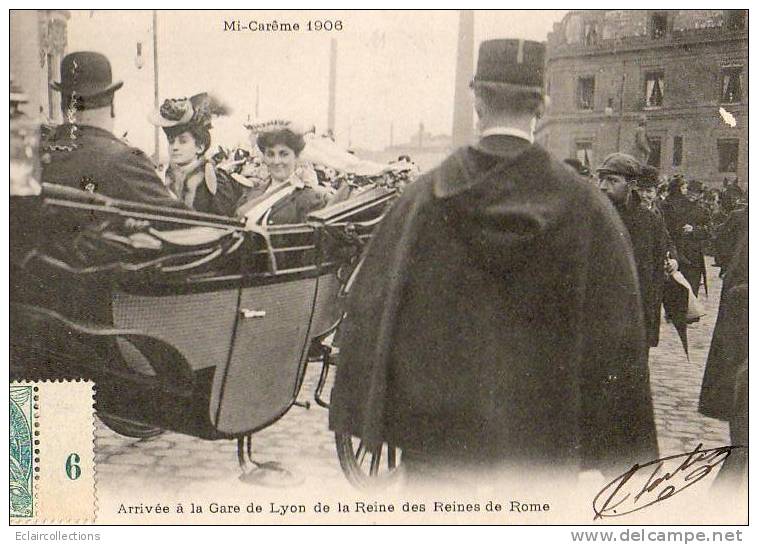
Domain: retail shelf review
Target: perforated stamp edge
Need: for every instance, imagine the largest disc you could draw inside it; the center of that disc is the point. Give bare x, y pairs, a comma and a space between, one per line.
62, 426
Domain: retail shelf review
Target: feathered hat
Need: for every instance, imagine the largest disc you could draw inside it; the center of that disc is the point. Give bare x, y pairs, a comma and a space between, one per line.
274, 125
195, 110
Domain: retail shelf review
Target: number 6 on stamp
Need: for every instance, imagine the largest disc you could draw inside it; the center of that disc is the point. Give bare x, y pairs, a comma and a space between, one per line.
51, 449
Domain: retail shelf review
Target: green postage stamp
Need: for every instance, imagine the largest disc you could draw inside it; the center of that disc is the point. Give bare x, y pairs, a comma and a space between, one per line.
21, 418
52, 470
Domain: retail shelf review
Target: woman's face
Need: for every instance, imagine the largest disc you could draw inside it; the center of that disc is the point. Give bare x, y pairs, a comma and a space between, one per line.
647, 195
280, 161
184, 149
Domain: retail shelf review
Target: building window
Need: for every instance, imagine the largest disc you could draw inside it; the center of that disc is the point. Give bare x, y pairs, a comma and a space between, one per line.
658, 25
731, 84
676, 157
735, 19
584, 152
585, 96
654, 89
654, 159
728, 149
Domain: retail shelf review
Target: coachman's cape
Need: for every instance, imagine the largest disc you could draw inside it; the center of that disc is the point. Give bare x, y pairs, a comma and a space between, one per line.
497, 318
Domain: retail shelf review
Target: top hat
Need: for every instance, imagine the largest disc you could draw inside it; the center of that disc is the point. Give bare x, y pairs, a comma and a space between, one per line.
515, 63
86, 74
621, 164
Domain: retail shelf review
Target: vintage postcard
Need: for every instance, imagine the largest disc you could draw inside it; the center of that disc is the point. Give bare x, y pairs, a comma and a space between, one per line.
379, 267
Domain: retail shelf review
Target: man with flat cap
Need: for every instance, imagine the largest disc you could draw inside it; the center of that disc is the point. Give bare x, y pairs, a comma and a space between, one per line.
495, 323
623, 179
83, 153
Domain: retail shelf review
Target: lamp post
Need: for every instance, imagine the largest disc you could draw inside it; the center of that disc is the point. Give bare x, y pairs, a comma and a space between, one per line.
332, 107
463, 102
156, 134
621, 106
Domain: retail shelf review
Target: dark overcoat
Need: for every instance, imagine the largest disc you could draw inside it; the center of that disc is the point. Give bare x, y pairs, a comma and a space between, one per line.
651, 243
92, 159
677, 212
496, 318
222, 200
293, 208
729, 346
727, 237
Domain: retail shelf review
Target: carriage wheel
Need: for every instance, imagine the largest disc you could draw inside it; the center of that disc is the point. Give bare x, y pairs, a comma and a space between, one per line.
129, 428
136, 362
367, 468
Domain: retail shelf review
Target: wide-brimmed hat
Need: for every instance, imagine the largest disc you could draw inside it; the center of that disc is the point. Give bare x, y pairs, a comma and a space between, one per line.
196, 110
621, 164
511, 63
86, 74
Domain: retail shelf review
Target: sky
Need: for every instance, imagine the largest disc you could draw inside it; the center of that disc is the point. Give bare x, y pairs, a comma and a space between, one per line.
393, 67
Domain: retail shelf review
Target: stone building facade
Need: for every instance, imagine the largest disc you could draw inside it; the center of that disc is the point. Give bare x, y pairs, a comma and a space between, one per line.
685, 71
38, 42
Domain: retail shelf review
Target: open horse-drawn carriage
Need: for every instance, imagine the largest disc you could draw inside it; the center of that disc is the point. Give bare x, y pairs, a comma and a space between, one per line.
185, 321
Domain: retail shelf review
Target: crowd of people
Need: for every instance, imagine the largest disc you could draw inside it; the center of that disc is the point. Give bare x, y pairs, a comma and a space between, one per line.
710, 212
287, 173
673, 225
505, 307
518, 304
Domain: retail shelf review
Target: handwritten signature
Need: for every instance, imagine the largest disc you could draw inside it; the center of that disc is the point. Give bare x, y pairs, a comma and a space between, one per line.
646, 484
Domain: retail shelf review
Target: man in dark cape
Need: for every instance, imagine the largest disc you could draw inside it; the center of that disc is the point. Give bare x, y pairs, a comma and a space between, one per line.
496, 317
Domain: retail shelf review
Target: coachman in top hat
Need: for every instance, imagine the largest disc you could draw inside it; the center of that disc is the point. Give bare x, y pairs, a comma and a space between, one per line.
83, 153
495, 323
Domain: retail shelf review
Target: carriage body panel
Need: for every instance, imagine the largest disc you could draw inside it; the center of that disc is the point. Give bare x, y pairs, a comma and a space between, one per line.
185, 321
257, 383
200, 324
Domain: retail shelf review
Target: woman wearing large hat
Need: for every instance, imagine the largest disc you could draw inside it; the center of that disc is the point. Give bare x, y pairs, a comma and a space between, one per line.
286, 196
190, 175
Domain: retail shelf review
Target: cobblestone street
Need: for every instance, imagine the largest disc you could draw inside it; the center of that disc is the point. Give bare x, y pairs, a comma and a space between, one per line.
302, 441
